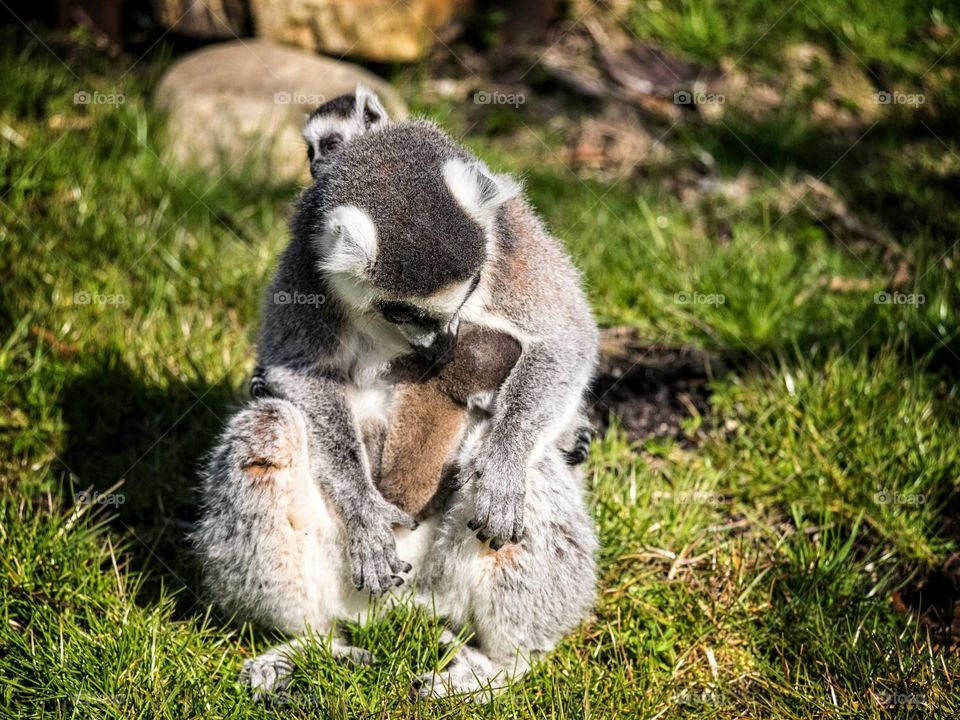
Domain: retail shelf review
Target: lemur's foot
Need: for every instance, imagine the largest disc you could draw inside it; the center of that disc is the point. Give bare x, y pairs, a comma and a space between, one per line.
459, 681
352, 655
581, 447
267, 674
258, 383
471, 674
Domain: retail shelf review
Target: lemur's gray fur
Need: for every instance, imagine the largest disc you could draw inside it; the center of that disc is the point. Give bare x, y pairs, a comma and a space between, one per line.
406, 235
327, 129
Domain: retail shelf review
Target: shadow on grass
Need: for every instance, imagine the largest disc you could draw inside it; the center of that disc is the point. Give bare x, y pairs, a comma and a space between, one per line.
153, 439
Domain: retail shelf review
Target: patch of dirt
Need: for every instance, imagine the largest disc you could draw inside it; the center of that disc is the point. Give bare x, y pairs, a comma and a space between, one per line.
935, 600
651, 388
613, 143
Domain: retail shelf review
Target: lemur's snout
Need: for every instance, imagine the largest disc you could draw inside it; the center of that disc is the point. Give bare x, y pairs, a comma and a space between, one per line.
440, 351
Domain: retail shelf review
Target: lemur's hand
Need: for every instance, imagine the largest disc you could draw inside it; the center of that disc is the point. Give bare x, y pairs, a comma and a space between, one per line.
373, 550
499, 481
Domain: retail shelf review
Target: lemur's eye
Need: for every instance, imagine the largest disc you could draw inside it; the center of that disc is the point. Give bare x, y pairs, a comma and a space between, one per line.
370, 117
310, 153
330, 143
401, 313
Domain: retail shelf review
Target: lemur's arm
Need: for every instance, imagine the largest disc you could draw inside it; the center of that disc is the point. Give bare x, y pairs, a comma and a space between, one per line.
540, 396
340, 466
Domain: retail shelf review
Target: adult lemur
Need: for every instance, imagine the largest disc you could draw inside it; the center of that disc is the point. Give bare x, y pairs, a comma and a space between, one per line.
412, 455
406, 236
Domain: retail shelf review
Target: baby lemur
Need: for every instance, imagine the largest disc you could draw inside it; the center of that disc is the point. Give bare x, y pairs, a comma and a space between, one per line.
427, 419
429, 411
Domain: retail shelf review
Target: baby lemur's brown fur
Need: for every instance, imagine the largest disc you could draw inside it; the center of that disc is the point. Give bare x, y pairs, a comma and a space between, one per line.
428, 416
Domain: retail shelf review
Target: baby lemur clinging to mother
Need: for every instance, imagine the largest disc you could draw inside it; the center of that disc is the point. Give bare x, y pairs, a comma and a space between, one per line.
409, 455
427, 419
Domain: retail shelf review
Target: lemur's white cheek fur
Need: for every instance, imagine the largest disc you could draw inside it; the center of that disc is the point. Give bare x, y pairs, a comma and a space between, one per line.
348, 244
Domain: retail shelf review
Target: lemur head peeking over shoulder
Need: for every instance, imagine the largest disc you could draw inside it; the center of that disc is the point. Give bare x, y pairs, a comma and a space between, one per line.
335, 122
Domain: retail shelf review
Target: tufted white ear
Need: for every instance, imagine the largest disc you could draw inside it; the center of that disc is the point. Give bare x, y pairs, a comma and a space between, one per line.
348, 245
369, 112
477, 190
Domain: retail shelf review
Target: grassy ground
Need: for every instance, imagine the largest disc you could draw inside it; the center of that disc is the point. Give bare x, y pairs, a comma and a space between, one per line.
754, 575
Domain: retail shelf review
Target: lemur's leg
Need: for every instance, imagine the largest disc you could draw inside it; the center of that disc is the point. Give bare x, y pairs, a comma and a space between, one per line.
470, 674
271, 546
270, 672
518, 601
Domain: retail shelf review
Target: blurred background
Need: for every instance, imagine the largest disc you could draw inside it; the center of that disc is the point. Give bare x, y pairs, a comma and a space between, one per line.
764, 199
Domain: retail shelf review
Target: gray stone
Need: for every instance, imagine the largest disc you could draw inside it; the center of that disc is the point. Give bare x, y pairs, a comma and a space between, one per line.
238, 107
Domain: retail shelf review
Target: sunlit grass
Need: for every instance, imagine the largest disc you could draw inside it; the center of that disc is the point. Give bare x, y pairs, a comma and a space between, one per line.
749, 576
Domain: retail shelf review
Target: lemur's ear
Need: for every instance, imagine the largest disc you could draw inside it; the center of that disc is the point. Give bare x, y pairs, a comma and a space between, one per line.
348, 244
477, 190
369, 110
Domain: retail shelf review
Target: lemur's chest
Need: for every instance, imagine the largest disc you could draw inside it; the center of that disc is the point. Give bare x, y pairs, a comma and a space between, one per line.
366, 362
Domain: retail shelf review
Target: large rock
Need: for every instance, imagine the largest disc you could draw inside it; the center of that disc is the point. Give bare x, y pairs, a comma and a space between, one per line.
210, 19
380, 30
239, 106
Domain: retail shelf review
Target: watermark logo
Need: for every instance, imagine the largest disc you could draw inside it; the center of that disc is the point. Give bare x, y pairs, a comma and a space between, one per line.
91, 699
298, 98
287, 700
86, 497
83, 297
698, 298
282, 297
691, 497
699, 697
485, 97
893, 497
885, 97
85, 97
693, 97
898, 298
891, 699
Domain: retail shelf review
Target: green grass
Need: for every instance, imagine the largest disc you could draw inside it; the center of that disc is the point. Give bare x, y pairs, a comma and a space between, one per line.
751, 576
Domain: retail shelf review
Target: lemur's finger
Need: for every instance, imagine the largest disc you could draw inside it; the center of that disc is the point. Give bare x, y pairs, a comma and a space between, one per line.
404, 519
517, 534
357, 574
482, 516
385, 574
374, 575
396, 564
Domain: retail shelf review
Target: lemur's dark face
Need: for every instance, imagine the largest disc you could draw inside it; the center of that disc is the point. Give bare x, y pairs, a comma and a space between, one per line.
430, 325
324, 137
409, 228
